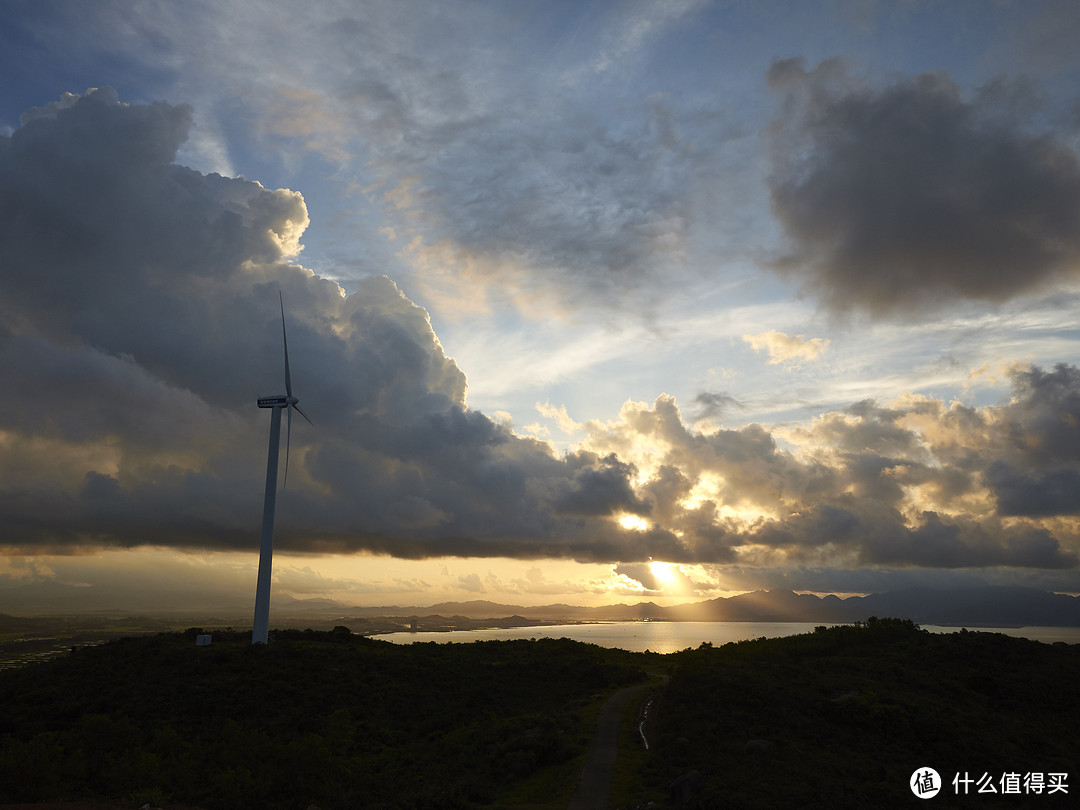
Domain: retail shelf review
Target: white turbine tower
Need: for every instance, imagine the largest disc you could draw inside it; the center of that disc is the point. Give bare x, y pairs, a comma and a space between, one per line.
266, 551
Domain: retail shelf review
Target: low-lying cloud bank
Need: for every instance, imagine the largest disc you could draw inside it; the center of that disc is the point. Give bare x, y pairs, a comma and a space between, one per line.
139, 321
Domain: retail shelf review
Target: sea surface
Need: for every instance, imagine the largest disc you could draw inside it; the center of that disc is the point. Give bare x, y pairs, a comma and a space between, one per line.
669, 637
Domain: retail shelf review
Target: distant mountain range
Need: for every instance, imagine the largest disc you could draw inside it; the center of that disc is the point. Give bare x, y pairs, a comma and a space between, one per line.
988, 606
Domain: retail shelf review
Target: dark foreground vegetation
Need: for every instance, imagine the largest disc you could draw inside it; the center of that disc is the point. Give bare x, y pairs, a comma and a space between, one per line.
840, 718
843, 717
330, 719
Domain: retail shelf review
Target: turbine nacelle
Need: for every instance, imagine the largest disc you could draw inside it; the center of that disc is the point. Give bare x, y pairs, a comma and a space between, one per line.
280, 401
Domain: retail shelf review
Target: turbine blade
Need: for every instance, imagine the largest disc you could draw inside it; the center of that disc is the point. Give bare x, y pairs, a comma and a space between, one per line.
303, 415
285, 341
288, 440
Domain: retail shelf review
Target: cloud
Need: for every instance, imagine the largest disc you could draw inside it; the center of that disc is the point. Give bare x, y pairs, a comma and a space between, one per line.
155, 579
715, 404
578, 214
471, 583
1034, 495
536, 583
559, 416
1041, 42
506, 191
1037, 470
881, 579
549, 201
789, 350
640, 572
636, 24
140, 318
917, 482
900, 200
599, 486
303, 114
306, 582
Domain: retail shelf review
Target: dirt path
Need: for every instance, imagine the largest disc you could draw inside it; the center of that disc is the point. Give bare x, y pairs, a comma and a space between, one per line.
595, 785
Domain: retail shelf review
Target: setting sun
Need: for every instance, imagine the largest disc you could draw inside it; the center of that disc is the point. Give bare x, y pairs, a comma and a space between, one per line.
664, 573
633, 523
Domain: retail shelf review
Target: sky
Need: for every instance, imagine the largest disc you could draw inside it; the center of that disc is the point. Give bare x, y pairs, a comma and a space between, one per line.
588, 302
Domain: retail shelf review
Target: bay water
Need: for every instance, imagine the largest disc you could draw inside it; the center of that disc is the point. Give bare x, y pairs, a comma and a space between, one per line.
669, 637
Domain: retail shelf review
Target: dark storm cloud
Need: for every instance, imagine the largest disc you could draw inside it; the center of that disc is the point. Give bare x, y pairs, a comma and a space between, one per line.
880, 535
100, 232
141, 320
1042, 494
600, 486
914, 196
961, 543
1037, 473
867, 579
1042, 423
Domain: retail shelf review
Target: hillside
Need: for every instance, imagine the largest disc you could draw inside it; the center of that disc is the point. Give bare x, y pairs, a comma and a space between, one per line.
330, 719
842, 717
838, 718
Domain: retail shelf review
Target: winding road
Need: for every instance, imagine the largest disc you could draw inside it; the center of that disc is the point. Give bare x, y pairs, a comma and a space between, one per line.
595, 785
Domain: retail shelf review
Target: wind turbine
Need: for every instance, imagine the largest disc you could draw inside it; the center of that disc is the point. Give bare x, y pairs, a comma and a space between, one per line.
266, 551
